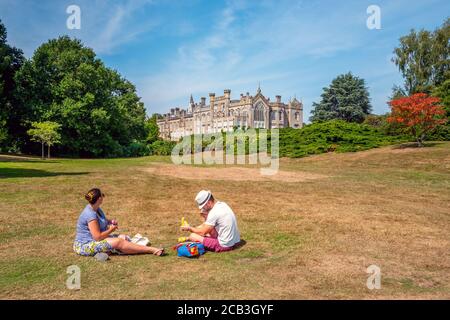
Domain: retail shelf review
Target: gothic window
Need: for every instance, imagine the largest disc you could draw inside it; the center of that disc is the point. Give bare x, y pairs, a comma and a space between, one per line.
272, 115
297, 116
236, 118
244, 117
258, 116
259, 112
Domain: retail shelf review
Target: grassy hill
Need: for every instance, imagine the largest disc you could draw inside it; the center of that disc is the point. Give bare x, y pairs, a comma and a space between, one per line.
310, 231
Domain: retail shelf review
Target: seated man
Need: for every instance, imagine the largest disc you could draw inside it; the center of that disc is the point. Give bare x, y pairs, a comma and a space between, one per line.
219, 232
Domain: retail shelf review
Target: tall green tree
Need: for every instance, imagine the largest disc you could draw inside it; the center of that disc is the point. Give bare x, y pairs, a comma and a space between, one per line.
423, 58
152, 128
397, 92
347, 98
99, 111
443, 93
11, 60
46, 133
3, 131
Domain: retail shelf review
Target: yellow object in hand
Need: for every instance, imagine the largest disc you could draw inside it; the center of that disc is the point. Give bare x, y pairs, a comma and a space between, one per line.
184, 223
183, 239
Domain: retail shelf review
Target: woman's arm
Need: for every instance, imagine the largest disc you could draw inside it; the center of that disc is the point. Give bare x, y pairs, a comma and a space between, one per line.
94, 228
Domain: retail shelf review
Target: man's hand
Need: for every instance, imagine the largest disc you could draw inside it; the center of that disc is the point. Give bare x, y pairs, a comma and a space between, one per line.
185, 228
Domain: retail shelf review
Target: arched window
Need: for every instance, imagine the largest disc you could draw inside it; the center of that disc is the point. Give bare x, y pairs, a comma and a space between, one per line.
258, 116
297, 116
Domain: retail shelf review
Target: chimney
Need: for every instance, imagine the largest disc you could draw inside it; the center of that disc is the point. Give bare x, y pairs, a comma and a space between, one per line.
227, 93
278, 99
212, 98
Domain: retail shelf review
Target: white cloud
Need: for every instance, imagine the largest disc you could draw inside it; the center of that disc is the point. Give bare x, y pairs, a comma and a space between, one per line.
118, 25
238, 54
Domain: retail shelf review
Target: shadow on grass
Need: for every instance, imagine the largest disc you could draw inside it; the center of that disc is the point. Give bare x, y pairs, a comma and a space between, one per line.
8, 158
33, 173
240, 244
415, 145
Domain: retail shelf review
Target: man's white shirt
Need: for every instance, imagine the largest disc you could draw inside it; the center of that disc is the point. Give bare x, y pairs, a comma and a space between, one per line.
222, 218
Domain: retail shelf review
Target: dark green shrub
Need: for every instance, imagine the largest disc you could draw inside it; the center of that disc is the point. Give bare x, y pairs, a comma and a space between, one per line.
161, 148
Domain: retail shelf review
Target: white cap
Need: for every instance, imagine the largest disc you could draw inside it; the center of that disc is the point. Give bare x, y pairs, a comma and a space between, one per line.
202, 198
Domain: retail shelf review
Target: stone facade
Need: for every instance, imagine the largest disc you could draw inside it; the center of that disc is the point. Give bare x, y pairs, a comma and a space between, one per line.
224, 114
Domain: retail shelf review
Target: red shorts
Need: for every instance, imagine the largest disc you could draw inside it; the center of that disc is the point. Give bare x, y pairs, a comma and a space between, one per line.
212, 244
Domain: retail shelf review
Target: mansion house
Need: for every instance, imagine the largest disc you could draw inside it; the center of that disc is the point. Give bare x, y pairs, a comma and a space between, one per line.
224, 114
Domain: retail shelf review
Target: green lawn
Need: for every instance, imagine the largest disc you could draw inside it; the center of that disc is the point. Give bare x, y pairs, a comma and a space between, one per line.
308, 239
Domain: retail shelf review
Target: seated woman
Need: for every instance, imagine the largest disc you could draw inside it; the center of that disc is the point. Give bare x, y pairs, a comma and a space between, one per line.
94, 232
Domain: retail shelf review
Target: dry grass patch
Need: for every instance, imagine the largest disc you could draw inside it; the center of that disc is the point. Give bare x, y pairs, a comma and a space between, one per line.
229, 173
312, 237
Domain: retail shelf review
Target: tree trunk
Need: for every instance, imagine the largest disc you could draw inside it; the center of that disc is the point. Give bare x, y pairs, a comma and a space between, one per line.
42, 153
49, 151
420, 141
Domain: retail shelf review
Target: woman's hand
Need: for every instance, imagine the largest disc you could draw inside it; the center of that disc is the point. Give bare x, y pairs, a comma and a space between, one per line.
112, 228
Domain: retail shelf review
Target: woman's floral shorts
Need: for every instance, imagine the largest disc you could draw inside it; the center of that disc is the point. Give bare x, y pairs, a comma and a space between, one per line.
92, 248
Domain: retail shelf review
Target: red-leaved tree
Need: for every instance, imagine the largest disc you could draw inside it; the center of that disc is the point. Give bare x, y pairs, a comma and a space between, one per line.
419, 113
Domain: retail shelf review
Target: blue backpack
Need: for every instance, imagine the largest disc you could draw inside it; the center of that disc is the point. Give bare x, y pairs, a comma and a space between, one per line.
190, 249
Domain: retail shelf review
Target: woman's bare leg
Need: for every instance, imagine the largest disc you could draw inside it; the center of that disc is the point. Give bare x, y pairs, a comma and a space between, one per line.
127, 247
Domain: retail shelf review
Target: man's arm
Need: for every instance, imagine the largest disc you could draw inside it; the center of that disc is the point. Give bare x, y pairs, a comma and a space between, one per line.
202, 230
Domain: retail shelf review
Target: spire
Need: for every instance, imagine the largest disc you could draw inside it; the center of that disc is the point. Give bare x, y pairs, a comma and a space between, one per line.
295, 100
259, 87
192, 100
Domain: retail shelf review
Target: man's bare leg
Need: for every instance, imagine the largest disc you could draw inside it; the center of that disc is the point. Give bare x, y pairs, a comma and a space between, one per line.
196, 237
213, 233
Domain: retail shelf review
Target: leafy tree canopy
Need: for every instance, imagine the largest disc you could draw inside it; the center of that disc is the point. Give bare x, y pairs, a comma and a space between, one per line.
99, 111
46, 133
152, 129
423, 58
11, 60
347, 98
419, 113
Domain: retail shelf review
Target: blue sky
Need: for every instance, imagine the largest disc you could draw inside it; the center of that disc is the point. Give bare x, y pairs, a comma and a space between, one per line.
170, 49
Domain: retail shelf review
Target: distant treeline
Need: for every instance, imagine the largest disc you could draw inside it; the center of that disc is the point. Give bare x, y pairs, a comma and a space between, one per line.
65, 97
